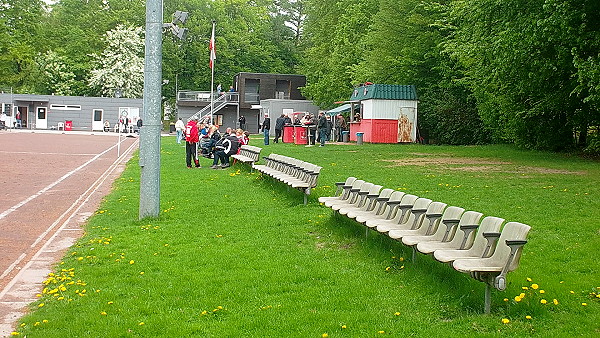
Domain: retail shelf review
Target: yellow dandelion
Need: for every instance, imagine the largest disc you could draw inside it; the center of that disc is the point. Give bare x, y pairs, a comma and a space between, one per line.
397, 314
525, 288
23, 324
534, 286
343, 326
36, 324
220, 307
110, 303
584, 304
543, 301
141, 272
571, 292
527, 317
324, 335
517, 299
41, 304
521, 295
542, 291
529, 279
14, 333
555, 301
131, 261
401, 259
387, 268
505, 321
141, 323
103, 313
506, 299
381, 332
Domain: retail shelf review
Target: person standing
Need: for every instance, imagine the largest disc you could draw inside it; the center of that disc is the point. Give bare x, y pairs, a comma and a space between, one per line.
340, 126
179, 128
266, 126
242, 121
322, 128
279, 123
191, 143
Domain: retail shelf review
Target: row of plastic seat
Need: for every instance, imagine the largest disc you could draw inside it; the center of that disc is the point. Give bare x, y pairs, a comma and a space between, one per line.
295, 173
447, 233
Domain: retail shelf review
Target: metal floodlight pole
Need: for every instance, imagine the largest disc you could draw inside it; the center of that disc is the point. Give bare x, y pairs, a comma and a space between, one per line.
151, 115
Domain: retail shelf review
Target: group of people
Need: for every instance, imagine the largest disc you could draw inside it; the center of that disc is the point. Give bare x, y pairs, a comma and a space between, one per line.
319, 128
123, 125
209, 142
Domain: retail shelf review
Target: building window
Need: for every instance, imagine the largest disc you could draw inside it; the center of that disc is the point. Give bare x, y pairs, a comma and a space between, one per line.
252, 90
282, 89
65, 107
97, 115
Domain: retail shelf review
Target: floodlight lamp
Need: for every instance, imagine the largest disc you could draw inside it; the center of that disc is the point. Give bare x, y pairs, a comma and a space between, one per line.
179, 33
180, 17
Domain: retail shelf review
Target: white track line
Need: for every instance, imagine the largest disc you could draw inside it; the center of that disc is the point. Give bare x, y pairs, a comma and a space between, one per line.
87, 194
41, 192
36, 153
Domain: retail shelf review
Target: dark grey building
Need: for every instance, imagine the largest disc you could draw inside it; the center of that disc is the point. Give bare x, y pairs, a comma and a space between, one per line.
79, 112
250, 91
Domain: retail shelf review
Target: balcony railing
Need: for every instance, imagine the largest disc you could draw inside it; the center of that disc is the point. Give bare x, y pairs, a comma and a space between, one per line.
197, 96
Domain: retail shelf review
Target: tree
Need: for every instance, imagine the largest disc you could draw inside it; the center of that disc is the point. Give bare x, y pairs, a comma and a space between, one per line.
121, 65
334, 34
57, 79
19, 22
519, 63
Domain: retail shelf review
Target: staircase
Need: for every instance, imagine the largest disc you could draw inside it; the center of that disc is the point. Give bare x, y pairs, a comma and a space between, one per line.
204, 113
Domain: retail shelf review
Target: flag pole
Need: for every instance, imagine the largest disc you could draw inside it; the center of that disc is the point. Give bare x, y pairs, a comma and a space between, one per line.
212, 70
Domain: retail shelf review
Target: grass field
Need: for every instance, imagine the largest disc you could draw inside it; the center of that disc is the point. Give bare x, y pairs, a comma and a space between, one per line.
234, 254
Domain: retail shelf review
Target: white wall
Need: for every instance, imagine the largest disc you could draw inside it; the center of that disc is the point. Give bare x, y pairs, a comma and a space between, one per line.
389, 109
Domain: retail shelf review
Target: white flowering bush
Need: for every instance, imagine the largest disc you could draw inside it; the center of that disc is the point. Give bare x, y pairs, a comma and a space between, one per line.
121, 65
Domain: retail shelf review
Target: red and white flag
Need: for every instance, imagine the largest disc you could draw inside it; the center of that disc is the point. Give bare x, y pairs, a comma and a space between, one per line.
213, 54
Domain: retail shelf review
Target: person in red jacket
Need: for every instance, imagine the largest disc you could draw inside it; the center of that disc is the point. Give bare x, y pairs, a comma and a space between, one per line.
191, 143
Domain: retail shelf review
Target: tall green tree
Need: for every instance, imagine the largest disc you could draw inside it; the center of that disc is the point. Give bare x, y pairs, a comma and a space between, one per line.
520, 65
335, 42
19, 22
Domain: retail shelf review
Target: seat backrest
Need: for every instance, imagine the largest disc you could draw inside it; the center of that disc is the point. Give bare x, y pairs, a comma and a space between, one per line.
375, 190
512, 231
356, 198
489, 224
350, 196
377, 207
339, 191
413, 219
429, 225
387, 209
457, 236
449, 214
406, 203
314, 178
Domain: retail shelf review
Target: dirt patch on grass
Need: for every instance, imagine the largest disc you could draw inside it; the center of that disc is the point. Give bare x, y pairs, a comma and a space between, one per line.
517, 170
486, 165
444, 160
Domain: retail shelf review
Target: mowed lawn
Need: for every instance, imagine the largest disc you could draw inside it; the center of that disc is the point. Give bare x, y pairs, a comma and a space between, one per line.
234, 254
